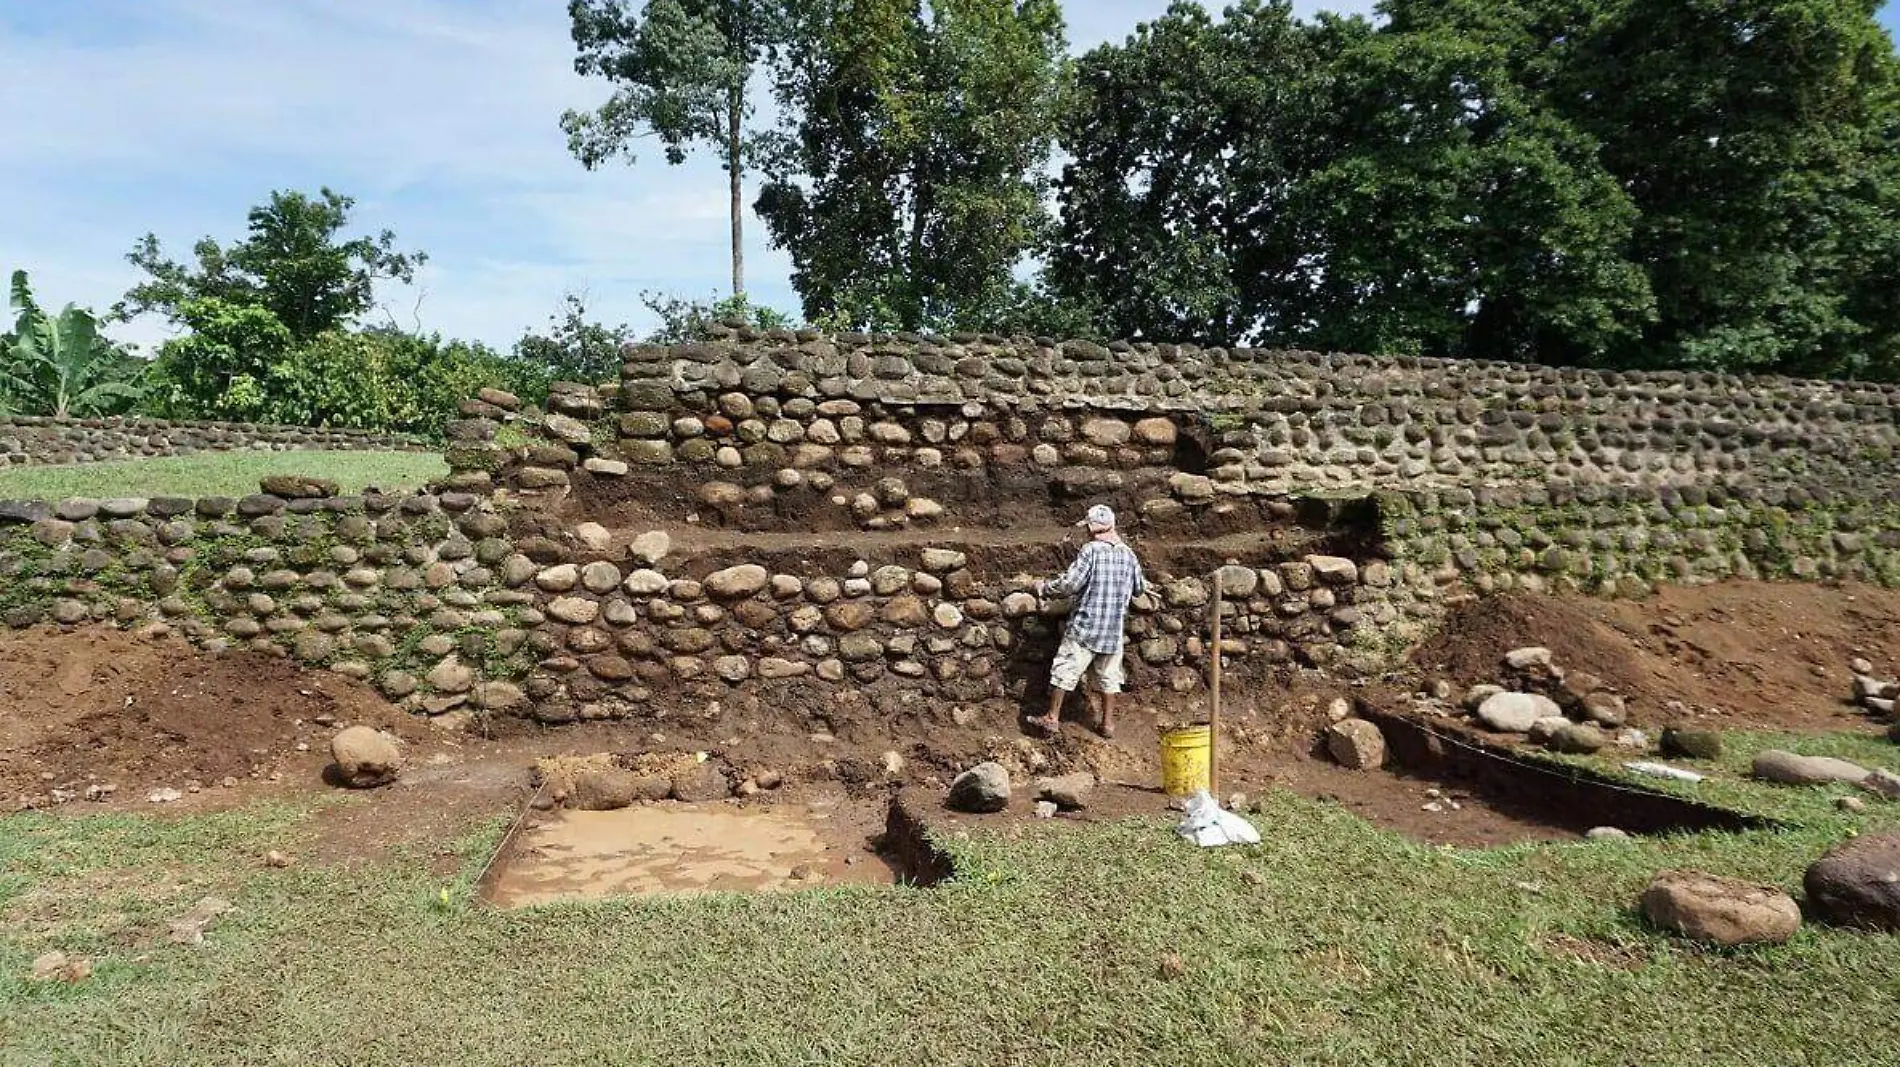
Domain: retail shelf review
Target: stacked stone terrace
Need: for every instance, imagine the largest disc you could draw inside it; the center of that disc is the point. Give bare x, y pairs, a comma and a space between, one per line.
27, 440
807, 522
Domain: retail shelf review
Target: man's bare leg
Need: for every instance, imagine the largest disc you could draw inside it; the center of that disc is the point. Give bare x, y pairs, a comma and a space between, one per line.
1051, 722
1107, 728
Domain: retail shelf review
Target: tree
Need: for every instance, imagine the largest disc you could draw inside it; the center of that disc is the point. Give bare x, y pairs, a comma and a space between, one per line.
222, 368
680, 70
574, 348
908, 181
61, 365
293, 263
1185, 146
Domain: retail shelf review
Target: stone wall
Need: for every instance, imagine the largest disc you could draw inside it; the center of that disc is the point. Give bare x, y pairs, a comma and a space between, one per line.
421, 594
27, 440
1344, 499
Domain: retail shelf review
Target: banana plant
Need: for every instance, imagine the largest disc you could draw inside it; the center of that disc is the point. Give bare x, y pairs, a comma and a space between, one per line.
61, 365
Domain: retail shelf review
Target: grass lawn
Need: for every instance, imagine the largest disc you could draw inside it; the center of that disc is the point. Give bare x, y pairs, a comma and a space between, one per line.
1331, 943
218, 474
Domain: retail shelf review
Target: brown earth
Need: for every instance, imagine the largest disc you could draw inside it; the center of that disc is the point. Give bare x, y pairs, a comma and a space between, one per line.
1738, 654
111, 707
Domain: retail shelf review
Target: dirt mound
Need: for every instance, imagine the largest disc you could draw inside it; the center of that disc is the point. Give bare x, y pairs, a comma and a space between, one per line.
110, 707
1739, 653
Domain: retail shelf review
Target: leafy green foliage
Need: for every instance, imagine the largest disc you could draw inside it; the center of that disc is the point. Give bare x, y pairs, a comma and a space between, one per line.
241, 364
684, 320
293, 263
574, 348
61, 365
907, 183
680, 70
1613, 182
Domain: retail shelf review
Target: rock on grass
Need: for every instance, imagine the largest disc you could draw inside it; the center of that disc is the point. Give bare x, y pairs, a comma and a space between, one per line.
1858, 883
1774, 765
1721, 911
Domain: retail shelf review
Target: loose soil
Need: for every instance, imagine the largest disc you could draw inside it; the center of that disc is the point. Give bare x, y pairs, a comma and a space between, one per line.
685, 849
1759, 655
101, 706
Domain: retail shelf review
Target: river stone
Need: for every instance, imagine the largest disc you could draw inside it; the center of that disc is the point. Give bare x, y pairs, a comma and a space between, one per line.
1578, 739
700, 783
981, 789
1724, 911
1686, 743
645, 583
1605, 709
1858, 883
365, 758
735, 582
1524, 659
605, 789
651, 547
1357, 744
1788, 768
576, 610
298, 486
1070, 792
1516, 713
600, 577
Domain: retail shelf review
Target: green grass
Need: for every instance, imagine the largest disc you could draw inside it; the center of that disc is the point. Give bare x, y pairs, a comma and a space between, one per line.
218, 474
1331, 943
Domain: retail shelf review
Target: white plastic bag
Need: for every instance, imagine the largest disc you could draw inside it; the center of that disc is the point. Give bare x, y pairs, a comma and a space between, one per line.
1663, 770
1208, 826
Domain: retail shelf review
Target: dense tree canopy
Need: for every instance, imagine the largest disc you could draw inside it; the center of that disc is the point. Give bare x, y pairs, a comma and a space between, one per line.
1621, 182
293, 262
910, 180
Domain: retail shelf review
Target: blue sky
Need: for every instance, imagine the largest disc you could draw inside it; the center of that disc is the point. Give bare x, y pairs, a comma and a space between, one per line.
439, 116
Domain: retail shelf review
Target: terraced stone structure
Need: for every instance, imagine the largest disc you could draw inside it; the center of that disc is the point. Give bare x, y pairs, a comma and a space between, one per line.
795, 521
27, 440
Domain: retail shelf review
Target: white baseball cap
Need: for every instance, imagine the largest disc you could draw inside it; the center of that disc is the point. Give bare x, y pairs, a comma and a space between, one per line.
1101, 515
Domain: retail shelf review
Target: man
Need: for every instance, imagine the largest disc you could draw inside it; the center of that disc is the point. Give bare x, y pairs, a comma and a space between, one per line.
1103, 579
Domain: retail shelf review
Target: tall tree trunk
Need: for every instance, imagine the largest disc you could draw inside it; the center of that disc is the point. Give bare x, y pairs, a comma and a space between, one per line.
735, 173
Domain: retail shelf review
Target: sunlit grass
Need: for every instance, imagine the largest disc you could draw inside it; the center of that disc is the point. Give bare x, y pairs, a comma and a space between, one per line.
1331, 943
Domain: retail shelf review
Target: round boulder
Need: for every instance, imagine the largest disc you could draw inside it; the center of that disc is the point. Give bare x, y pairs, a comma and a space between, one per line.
1722, 911
365, 758
1516, 713
1686, 743
1357, 744
700, 783
735, 582
1774, 765
1858, 883
981, 789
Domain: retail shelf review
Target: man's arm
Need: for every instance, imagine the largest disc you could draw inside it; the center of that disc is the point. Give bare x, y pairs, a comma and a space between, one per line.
1141, 580
1076, 579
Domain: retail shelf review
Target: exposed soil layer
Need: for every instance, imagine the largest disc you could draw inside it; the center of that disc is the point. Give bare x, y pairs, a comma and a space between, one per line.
1539, 791
109, 707
1003, 507
1738, 654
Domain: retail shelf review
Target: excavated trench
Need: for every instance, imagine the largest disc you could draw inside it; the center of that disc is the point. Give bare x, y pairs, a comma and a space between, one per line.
1543, 792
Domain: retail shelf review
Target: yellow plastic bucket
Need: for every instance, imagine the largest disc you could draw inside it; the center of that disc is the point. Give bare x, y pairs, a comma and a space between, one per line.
1184, 758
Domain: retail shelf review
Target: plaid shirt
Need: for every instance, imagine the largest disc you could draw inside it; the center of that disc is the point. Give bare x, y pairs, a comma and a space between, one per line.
1103, 579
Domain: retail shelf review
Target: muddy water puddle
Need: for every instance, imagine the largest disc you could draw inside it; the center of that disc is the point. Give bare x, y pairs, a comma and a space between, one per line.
679, 849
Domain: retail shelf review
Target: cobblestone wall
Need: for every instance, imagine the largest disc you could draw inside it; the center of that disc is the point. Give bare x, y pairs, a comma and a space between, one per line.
28, 440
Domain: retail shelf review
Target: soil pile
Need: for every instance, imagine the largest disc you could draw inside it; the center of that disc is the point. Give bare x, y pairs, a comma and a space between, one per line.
110, 707
1739, 653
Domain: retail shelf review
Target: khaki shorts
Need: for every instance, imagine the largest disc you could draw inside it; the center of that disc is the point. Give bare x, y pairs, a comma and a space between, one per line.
1074, 659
